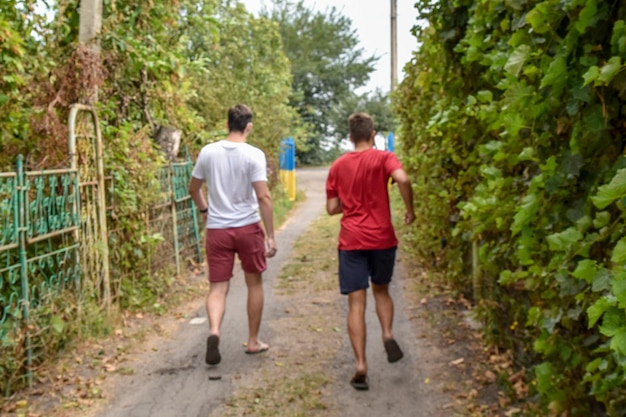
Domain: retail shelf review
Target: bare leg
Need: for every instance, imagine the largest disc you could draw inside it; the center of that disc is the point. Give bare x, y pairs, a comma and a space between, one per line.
357, 329
254, 282
384, 309
216, 305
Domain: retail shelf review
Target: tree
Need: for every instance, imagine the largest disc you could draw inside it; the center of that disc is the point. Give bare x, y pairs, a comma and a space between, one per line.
327, 66
376, 104
243, 62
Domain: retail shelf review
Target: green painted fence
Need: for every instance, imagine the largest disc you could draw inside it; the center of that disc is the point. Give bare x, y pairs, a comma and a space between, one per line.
54, 243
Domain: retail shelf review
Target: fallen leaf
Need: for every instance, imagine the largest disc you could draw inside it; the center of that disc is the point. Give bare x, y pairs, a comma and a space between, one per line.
109, 367
512, 411
490, 376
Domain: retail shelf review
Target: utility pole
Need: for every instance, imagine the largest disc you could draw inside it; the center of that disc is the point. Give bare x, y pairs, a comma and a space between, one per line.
90, 26
90, 23
394, 44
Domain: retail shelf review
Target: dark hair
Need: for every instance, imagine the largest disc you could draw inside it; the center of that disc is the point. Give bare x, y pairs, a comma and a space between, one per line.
361, 127
238, 118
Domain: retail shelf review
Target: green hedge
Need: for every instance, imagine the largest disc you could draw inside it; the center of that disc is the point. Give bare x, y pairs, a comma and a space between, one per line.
512, 125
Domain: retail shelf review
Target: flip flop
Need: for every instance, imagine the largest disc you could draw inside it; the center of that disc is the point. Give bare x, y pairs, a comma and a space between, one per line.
262, 348
394, 353
213, 356
360, 382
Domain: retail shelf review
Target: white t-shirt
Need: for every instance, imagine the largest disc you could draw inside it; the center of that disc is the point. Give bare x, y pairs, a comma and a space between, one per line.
229, 169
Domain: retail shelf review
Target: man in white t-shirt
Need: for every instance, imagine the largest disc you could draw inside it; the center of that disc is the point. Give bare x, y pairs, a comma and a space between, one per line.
236, 178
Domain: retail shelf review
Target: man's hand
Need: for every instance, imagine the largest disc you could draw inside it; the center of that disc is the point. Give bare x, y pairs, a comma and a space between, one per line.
270, 247
409, 217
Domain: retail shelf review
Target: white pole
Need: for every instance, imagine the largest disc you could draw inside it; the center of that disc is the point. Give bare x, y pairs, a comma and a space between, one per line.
90, 23
394, 44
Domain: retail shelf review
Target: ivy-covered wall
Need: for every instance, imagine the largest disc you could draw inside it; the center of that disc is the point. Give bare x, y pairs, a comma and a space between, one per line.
512, 126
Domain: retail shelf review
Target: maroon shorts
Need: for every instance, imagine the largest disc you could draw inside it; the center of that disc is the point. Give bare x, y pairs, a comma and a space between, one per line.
221, 245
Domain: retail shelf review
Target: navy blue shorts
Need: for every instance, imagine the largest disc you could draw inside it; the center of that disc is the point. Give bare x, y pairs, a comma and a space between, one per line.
356, 267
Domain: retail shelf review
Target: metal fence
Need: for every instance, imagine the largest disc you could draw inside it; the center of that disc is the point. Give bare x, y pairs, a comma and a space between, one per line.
54, 243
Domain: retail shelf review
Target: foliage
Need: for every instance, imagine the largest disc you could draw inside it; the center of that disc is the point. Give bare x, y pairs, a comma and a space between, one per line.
327, 66
242, 66
512, 124
376, 104
26, 75
174, 64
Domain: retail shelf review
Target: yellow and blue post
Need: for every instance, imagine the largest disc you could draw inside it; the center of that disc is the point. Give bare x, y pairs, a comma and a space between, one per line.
288, 166
390, 147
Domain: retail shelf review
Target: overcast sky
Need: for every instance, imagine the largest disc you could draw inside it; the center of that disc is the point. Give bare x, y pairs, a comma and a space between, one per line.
372, 21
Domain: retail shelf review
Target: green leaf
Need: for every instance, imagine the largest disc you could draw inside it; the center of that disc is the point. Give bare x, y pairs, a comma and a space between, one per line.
595, 311
527, 154
618, 288
593, 365
612, 321
57, 324
517, 60
538, 18
609, 70
618, 39
612, 191
534, 315
525, 213
602, 281
586, 16
556, 76
591, 75
586, 270
618, 341
619, 252
473, 54
602, 219
544, 373
485, 96
515, 4
564, 240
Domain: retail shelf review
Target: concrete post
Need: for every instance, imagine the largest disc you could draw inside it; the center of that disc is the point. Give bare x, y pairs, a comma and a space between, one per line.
90, 26
90, 23
394, 44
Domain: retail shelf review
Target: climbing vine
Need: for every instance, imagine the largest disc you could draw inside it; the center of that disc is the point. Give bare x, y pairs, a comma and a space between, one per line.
512, 122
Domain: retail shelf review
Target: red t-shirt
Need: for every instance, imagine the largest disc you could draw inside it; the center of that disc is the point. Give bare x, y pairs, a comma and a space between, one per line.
360, 181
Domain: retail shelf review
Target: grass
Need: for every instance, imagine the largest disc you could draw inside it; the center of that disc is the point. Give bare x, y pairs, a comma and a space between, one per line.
283, 205
295, 384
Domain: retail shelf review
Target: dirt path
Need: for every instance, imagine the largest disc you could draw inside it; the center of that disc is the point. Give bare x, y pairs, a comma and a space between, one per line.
170, 378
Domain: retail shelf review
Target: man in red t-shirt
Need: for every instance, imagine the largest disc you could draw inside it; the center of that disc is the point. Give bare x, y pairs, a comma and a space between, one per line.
357, 187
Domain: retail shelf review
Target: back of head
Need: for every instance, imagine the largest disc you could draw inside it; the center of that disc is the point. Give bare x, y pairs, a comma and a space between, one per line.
361, 127
238, 118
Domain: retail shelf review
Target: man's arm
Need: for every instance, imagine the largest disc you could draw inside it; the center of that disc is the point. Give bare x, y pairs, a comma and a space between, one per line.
406, 192
195, 190
264, 197
333, 206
